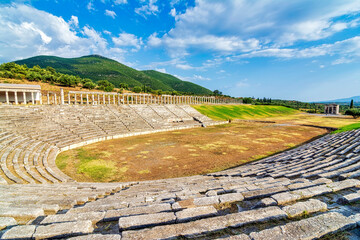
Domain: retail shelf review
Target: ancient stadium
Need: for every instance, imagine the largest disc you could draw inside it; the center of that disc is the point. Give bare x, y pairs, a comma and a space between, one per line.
310, 191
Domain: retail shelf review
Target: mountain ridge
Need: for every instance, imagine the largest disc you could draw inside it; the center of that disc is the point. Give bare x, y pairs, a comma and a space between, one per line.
97, 67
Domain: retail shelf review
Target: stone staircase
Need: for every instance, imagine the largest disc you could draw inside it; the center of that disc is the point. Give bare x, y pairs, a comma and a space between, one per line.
304, 193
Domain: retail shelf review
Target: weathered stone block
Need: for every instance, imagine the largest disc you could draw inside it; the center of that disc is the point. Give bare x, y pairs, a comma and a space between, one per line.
231, 197
7, 221
195, 213
286, 197
309, 206
63, 229
141, 221
20, 232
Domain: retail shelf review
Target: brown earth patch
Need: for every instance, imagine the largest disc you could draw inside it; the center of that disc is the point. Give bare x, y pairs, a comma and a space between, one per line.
182, 153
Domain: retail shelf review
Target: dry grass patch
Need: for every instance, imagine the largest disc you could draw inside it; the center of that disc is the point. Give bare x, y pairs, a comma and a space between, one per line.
181, 153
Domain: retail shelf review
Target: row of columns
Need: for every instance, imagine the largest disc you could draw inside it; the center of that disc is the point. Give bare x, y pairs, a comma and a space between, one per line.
24, 93
94, 98
134, 98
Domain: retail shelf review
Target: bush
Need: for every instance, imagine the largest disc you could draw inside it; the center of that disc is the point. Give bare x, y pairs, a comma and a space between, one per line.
105, 85
89, 85
247, 100
137, 89
355, 112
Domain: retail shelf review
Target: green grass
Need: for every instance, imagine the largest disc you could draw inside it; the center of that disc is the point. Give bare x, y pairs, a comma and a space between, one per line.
348, 128
91, 165
61, 161
226, 112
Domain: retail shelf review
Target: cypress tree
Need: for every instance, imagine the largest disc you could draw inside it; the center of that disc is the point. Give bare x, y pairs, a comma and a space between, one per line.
352, 103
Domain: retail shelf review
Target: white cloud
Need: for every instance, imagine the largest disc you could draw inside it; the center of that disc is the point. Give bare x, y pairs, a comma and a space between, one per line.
148, 9
342, 60
110, 13
90, 6
243, 26
107, 32
118, 2
26, 32
127, 40
184, 66
200, 78
173, 12
321, 66
242, 84
345, 48
74, 21
163, 70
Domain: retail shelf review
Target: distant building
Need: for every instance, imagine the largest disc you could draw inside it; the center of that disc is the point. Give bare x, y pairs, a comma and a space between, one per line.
331, 109
19, 93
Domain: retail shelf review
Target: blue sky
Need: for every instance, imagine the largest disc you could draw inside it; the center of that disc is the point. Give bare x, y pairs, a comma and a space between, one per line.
300, 49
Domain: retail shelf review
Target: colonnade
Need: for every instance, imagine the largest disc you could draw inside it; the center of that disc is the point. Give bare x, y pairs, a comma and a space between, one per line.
20, 96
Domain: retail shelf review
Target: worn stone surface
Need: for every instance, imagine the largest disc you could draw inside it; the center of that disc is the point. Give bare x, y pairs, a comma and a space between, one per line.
208, 225
63, 229
310, 206
98, 237
141, 221
231, 197
206, 201
236, 237
348, 183
94, 217
21, 215
286, 197
19, 232
7, 221
112, 215
195, 213
266, 202
309, 228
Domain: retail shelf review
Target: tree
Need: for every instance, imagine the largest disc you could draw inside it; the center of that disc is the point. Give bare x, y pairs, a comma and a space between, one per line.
217, 92
352, 103
89, 85
353, 112
124, 86
105, 85
137, 89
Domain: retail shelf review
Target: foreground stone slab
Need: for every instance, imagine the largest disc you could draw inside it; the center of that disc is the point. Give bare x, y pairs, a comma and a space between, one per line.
348, 183
286, 197
98, 237
306, 229
195, 213
350, 198
63, 229
231, 197
113, 215
148, 220
20, 232
206, 201
21, 215
7, 221
94, 217
208, 225
300, 208
236, 237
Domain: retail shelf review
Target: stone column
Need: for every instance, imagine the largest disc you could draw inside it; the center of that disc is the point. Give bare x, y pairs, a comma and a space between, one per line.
7, 97
40, 98
109, 99
136, 99
16, 98
98, 98
118, 99
104, 99
62, 100
48, 98
87, 99
24, 97
92, 99
75, 100
55, 102
114, 99
81, 98
32, 98
69, 100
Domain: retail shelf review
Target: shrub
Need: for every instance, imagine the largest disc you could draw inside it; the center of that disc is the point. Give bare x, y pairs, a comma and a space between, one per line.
355, 112
137, 89
105, 85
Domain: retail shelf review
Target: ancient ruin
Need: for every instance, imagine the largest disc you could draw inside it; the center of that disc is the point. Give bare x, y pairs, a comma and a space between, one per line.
303, 193
332, 109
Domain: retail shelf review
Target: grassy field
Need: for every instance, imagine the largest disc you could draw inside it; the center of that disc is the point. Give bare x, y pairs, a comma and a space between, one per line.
226, 112
348, 128
181, 153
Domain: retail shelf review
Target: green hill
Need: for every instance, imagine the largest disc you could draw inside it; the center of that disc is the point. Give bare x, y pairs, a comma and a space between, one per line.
176, 83
99, 68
